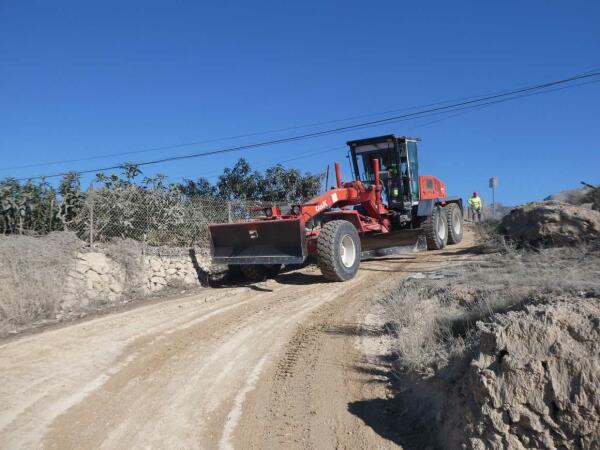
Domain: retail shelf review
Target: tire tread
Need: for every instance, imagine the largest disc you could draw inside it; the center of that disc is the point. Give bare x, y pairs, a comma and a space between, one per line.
326, 250
430, 230
452, 238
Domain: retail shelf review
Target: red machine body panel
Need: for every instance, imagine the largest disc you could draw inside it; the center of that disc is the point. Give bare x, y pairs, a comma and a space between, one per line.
431, 188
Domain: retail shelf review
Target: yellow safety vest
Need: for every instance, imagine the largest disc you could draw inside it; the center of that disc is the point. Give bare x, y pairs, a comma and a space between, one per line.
475, 202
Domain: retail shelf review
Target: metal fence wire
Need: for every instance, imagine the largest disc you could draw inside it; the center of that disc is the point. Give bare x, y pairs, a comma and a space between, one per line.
156, 218
165, 219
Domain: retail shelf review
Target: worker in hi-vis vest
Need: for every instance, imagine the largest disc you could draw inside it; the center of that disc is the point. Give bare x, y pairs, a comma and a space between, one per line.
475, 206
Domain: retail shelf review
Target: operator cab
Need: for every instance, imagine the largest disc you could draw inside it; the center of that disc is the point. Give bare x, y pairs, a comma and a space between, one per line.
399, 168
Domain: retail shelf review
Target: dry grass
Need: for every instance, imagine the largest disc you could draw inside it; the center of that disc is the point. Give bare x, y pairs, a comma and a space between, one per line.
434, 320
35, 271
32, 274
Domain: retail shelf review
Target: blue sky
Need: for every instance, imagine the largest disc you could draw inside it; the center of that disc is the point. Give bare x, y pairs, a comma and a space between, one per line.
81, 79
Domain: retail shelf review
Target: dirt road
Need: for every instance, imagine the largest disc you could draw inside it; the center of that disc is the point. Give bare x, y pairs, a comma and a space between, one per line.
292, 362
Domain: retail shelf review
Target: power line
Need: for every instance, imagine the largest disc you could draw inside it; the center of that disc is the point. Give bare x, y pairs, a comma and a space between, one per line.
260, 133
227, 138
488, 100
487, 104
328, 150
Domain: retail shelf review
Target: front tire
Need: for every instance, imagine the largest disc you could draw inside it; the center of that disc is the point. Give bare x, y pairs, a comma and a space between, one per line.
454, 218
338, 250
436, 229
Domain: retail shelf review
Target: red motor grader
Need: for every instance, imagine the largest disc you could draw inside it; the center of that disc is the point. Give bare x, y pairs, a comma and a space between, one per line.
387, 209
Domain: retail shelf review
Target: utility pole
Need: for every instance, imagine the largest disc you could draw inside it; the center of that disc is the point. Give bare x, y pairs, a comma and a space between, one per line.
493, 185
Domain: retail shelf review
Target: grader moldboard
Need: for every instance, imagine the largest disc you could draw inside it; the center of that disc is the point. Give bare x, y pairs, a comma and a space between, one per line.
387, 209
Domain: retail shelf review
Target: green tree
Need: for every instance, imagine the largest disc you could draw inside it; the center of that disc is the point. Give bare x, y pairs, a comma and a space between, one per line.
197, 188
156, 182
72, 198
276, 185
239, 182
130, 171
39, 206
10, 190
288, 185
122, 205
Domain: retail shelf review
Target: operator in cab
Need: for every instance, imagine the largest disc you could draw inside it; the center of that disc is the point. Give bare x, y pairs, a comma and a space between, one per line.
475, 206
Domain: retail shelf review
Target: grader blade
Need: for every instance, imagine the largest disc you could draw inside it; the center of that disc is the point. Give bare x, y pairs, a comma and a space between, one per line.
280, 241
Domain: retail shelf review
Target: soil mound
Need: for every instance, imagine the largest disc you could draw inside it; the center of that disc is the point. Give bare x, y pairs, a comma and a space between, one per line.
593, 197
551, 223
586, 197
535, 380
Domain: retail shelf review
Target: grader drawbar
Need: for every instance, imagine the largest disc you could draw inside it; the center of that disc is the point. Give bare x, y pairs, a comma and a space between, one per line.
388, 208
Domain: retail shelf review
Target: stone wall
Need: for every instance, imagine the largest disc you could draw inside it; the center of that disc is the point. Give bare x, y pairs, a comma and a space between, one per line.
60, 277
169, 270
97, 278
94, 277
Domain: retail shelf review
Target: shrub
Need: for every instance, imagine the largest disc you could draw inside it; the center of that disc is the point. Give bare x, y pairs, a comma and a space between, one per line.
32, 274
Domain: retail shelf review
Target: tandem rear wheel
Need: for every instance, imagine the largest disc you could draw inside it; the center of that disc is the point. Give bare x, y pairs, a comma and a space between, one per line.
444, 226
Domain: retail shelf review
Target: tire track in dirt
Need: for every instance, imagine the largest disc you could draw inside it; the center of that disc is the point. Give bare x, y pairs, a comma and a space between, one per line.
153, 379
81, 358
329, 364
183, 379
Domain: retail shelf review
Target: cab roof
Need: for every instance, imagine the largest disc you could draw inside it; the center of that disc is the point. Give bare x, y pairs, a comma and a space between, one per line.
384, 138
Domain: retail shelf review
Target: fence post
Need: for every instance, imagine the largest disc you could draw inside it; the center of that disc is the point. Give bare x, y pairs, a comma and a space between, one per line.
199, 222
50, 219
229, 211
20, 222
91, 207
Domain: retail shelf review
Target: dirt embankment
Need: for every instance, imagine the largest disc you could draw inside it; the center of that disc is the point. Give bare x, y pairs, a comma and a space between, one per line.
503, 351
534, 381
485, 360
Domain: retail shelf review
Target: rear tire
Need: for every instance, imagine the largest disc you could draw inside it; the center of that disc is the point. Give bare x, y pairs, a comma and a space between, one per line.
260, 272
454, 218
436, 229
338, 250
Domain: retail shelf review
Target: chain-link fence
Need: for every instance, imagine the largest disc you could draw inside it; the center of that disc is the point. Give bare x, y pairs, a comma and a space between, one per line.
164, 219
